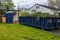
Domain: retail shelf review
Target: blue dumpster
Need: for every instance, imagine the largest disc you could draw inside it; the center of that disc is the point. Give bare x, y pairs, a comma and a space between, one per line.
48, 23
9, 17
35, 22
54, 22
57, 22
29, 21
41, 22
44, 23
25, 20
21, 20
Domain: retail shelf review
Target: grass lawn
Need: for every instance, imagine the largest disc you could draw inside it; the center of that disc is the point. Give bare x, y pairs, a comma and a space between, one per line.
21, 32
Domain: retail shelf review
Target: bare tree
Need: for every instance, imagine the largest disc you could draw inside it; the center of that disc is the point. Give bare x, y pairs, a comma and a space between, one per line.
5, 0
58, 3
54, 3
7, 3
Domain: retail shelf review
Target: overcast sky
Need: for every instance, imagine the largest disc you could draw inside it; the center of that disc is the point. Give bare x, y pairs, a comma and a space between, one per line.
29, 3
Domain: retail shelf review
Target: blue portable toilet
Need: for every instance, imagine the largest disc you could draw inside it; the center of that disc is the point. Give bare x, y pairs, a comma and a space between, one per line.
9, 17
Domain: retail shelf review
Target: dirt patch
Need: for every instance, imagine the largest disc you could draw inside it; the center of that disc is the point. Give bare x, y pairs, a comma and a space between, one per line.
26, 38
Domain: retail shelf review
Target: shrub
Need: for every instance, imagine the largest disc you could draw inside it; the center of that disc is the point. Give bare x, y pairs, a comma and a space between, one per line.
24, 14
40, 14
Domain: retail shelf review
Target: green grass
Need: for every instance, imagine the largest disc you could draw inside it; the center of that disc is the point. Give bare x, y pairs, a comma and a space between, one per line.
21, 32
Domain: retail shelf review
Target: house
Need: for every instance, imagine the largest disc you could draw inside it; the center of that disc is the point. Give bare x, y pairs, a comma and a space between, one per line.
6, 0
24, 9
2, 8
42, 8
15, 12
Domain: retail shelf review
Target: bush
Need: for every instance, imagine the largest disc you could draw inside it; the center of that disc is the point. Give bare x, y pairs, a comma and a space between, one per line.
24, 14
40, 14
37, 14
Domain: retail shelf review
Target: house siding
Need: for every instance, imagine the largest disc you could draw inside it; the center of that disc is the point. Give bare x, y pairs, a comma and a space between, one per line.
40, 9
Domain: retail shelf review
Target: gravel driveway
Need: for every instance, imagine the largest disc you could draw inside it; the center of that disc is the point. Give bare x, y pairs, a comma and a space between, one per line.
57, 32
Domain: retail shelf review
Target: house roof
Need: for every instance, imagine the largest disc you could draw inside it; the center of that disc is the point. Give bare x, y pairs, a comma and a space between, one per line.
49, 7
2, 8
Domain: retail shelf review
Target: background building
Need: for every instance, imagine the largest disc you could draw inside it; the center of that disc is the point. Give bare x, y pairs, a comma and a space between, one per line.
5, 0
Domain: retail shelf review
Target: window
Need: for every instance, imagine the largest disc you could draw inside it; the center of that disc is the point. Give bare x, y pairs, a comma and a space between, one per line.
33, 10
37, 7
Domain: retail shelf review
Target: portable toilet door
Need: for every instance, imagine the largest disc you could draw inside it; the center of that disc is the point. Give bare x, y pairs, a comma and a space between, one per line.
9, 17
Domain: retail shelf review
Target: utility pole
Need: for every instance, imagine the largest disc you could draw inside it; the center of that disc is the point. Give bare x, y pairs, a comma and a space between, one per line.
18, 10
